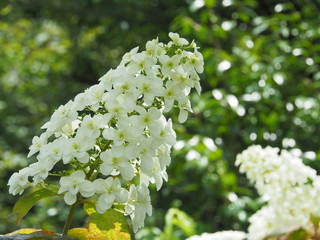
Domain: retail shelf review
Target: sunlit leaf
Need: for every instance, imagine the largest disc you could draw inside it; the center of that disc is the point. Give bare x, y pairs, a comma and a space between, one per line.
110, 225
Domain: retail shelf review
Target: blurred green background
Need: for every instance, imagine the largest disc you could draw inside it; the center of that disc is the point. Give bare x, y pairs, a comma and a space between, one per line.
261, 85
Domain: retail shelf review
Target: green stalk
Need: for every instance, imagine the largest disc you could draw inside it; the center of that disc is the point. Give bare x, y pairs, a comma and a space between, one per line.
70, 216
74, 206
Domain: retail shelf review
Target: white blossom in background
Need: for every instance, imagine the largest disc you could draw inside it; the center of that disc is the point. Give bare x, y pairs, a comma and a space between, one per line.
114, 136
222, 235
292, 190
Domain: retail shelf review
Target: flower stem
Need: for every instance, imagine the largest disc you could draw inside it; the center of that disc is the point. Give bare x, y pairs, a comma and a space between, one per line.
69, 218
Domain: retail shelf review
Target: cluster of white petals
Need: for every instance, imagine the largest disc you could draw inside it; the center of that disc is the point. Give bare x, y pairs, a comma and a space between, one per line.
222, 235
114, 134
291, 188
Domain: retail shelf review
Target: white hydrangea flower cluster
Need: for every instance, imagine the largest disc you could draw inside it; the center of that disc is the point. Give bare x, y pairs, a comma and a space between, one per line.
222, 235
291, 189
115, 134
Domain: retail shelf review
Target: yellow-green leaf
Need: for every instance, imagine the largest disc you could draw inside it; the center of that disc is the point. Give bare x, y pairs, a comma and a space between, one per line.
34, 234
80, 233
23, 231
110, 225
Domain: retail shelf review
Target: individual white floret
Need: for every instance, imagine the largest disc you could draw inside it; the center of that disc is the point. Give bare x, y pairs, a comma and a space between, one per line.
73, 184
37, 143
164, 133
91, 126
53, 150
195, 60
150, 88
18, 181
163, 154
169, 64
146, 118
182, 78
155, 176
69, 129
128, 56
139, 204
120, 106
110, 190
171, 93
107, 80
115, 160
177, 39
60, 117
93, 96
141, 62
79, 102
40, 170
77, 147
153, 48
146, 151
125, 132
126, 85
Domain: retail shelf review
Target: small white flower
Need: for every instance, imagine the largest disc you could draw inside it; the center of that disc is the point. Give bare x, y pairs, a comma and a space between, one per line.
114, 159
169, 64
166, 134
150, 88
195, 60
73, 184
128, 56
93, 96
146, 118
177, 40
110, 190
77, 148
140, 62
37, 143
156, 175
18, 182
60, 117
139, 204
40, 171
90, 126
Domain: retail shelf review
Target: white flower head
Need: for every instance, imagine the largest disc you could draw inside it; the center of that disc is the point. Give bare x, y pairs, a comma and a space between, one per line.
115, 132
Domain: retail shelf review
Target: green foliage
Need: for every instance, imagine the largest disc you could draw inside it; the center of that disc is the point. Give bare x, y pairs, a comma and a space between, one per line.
178, 225
178, 218
25, 203
300, 234
110, 225
260, 86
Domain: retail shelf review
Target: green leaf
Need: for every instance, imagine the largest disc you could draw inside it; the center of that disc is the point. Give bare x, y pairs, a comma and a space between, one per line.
210, 3
300, 234
180, 219
25, 203
110, 225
